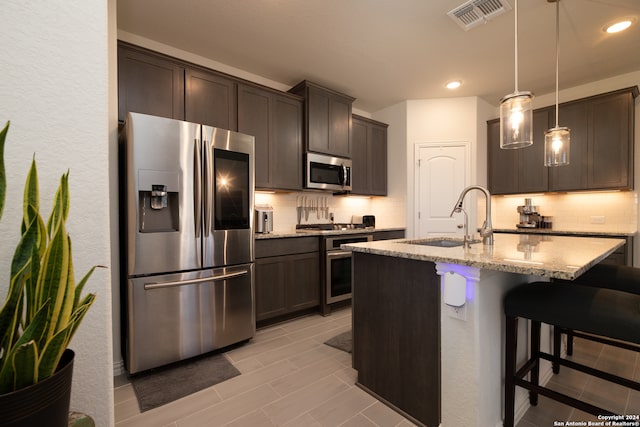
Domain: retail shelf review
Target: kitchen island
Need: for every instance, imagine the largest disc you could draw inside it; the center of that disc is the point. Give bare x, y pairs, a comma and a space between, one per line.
428, 324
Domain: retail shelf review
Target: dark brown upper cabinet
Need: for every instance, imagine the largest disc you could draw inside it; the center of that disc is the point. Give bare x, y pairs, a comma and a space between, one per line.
574, 175
152, 83
502, 164
149, 83
601, 156
210, 99
518, 170
368, 156
275, 120
602, 138
327, 119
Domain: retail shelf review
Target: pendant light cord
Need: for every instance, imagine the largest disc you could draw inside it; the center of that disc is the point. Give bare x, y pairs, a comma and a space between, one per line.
557, 52
516, 45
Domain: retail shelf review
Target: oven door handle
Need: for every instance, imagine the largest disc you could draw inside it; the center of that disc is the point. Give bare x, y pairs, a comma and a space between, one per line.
338, 254
154, 285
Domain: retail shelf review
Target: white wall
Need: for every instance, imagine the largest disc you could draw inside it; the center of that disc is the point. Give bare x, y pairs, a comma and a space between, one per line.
434, 120
392, 210
55, 88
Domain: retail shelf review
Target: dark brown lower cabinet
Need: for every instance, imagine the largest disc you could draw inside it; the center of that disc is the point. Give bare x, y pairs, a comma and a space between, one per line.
287, 276
388, 235
396, 333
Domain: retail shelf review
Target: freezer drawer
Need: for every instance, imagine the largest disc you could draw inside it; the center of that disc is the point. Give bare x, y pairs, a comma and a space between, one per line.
177, 316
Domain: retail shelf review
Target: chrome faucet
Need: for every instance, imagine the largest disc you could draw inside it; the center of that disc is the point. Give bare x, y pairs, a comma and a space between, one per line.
486, 231
467, 239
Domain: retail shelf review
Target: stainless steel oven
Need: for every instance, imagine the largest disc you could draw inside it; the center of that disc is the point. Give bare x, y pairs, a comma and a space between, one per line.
338, 266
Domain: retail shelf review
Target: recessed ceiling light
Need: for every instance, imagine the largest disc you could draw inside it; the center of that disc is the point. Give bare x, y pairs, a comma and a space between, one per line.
620, 25
455, 84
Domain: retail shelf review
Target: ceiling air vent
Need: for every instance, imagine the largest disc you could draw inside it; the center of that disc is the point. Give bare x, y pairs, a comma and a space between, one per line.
476, 12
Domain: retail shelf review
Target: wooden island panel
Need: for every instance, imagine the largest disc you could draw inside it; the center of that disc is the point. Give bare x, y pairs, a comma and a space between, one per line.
396, 333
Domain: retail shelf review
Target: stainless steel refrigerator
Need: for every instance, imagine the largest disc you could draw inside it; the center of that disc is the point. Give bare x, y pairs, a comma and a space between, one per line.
187, 211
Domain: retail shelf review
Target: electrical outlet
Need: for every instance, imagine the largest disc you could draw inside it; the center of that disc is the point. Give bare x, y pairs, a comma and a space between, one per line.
599, 219
457, 312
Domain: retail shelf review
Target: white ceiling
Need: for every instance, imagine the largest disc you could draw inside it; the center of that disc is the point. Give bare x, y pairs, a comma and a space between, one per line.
385, 51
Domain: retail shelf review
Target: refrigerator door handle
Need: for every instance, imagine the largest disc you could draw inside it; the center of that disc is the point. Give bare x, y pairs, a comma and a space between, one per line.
208, 186
153, 285
197, 187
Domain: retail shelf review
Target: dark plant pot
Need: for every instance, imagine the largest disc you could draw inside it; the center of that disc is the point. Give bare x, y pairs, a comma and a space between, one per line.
43, 404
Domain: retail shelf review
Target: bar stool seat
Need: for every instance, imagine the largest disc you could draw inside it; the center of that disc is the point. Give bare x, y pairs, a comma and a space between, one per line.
599, 311
605, 308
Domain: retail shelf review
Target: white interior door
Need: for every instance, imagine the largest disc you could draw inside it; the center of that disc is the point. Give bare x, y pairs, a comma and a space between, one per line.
442, 174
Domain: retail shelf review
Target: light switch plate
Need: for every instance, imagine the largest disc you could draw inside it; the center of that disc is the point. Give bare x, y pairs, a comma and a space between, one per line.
599, 219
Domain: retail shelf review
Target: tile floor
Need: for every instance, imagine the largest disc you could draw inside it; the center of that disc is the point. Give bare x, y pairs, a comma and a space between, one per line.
290, 378
598, 392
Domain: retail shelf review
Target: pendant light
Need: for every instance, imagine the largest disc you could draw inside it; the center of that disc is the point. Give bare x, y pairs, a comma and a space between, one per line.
557, 140
516, 115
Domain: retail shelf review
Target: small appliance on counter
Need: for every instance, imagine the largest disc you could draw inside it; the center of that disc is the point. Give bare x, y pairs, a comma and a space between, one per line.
369, 221
546, 222
264, 219
529, 215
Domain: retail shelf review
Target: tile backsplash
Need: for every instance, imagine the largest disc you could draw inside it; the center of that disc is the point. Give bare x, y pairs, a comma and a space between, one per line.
389, 211
614, 211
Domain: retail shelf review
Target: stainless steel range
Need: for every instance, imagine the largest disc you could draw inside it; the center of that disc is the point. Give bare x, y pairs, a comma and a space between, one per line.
337, 281
336, 263
187, 239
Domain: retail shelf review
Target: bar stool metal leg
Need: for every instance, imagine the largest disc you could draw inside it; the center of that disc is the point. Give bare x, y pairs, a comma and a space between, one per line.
557, 339
535, 355
569, 342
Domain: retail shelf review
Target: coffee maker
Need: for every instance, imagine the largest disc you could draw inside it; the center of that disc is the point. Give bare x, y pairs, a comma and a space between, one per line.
529, 215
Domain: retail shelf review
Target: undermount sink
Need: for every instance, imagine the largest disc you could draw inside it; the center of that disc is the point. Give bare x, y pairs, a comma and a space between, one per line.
441, 243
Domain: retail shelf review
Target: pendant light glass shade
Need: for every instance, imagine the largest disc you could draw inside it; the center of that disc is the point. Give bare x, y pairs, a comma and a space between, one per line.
516, 115
516, 120
557, 146
557, 140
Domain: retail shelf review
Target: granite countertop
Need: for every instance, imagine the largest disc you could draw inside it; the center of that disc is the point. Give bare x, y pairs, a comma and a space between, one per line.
560, 257
563, 232
310, 232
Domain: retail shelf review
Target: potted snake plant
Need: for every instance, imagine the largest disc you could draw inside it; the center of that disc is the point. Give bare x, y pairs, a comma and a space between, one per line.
43, 308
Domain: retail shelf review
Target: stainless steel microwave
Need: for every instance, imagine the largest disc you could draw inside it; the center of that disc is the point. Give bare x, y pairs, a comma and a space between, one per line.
328, 173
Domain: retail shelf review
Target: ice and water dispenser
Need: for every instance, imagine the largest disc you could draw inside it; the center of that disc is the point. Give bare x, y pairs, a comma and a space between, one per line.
158, 201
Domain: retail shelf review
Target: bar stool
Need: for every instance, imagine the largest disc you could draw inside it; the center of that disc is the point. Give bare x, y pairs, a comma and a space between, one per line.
623, 278
602, 306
